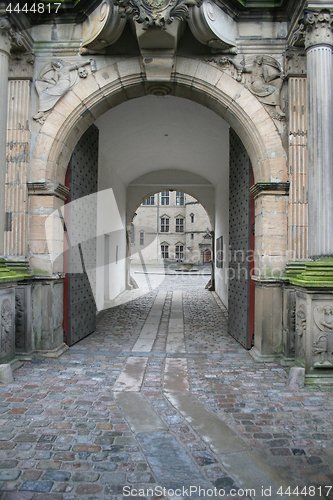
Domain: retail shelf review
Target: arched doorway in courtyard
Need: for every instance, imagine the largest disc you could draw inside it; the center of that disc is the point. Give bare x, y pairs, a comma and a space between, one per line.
129, 141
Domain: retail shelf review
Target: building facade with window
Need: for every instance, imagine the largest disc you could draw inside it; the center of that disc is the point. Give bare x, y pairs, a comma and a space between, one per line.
170, 226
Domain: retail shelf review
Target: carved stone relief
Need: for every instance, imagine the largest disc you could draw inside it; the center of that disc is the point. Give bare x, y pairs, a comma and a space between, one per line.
55, 80
314, 28
322, 347
264, 80
300, 332
155, 13
21, 65
19, 320
7, 340
295, 62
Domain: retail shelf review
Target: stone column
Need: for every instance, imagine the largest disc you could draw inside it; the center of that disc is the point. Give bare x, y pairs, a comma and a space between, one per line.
318, 44
4, 63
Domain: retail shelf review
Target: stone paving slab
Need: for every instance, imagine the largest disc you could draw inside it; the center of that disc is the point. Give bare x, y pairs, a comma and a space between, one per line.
62, 427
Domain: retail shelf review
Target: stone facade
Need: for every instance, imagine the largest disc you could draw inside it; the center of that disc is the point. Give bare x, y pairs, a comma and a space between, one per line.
142, 75
188, 238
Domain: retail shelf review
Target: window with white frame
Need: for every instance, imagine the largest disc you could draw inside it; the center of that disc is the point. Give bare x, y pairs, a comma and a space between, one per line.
149, 201
165, 224
180, 199
142, 237
165, 251
179, 251
179, 224
165, 198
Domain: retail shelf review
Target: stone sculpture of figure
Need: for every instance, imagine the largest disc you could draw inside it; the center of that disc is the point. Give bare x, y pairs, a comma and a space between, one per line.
261, 82
50, 90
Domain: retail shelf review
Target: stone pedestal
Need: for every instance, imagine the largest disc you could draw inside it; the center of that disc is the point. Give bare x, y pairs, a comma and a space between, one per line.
7, 327
314, 334
268, 342
47, 316
24, 342
289, 312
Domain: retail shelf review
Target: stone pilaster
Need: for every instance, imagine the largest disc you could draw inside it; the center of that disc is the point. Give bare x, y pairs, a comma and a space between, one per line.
319, 43
4, 63
18, 156
298, 169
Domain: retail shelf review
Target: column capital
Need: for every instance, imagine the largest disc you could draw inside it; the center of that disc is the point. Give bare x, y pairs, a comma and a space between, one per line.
315, 28
10, 37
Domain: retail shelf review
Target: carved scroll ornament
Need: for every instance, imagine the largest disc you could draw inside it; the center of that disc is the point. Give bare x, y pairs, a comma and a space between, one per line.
156, 13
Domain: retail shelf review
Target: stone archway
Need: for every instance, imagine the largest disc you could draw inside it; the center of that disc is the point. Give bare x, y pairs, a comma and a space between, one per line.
199, 81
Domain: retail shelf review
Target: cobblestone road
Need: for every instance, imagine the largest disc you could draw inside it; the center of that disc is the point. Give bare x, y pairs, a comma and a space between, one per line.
64, 435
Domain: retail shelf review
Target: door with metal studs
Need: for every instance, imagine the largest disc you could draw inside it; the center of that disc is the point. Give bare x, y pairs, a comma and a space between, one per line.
239, 242
81, 238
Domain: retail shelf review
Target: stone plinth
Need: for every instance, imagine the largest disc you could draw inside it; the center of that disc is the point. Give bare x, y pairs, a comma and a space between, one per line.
7, 327
268, 343
47, 316
314, 334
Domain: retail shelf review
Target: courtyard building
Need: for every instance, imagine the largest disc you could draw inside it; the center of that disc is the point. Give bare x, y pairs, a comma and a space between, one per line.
169, 227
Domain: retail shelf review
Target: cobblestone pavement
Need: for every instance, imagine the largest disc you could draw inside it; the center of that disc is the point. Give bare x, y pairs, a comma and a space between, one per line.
63, 435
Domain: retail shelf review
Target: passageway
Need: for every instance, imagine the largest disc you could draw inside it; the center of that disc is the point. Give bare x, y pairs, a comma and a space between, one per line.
160, 395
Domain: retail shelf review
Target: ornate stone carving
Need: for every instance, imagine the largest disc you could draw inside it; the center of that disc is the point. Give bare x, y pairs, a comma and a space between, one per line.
10, 37
264, 72
55, 80
214, 27
314, 28
300, 332
103, 27
19, 320
156, 13
323, 346
6, 343
21, 65
265, 81
295, 62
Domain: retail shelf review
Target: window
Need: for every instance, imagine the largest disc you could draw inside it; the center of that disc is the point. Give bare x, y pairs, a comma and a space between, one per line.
142, 237
179, 198
192, 218
179, 225
149, 201
179, 251
165, 224
132, 233
165, 251
192, 236
165, 200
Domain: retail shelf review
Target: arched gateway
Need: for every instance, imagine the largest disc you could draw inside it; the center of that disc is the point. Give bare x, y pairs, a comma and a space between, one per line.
252, 93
